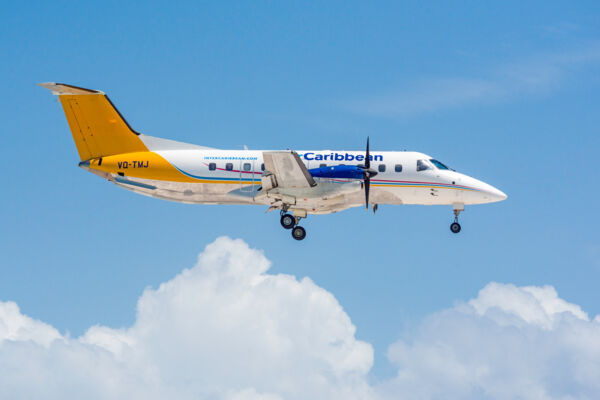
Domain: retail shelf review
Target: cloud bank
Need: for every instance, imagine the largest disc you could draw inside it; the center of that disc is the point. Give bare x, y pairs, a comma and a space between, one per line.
224, 329
228, 329
508, 343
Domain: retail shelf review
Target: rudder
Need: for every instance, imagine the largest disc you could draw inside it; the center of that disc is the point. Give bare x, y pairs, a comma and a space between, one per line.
97, 127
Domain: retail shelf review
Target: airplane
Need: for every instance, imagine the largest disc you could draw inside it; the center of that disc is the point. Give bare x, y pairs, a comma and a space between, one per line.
297, 183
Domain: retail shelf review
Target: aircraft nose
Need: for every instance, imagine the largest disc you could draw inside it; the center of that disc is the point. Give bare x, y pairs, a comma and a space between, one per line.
484, 193
491, 193
497, 194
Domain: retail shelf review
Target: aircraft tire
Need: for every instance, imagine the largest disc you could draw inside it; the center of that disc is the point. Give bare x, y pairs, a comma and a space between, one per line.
298, 233
455, 227
287, 221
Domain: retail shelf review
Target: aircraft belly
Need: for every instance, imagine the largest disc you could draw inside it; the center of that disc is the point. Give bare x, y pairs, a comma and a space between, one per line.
428, 196
386, 196
184, 192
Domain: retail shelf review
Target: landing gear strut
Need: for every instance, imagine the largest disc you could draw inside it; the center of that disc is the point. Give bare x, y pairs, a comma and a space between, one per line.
455, 226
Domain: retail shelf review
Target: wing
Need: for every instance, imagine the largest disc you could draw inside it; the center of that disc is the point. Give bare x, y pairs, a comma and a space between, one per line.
288, 169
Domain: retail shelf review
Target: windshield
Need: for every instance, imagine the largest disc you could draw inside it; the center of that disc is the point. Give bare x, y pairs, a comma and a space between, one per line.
438, 164
423, 165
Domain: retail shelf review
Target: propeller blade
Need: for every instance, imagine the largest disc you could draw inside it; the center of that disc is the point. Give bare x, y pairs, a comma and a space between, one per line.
367, 186
367, 174
367, 157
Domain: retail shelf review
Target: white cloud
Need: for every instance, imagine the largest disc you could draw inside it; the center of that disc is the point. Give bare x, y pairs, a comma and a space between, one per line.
223, 329
510, 342
227, 329
536, 74
16, 326
537, 306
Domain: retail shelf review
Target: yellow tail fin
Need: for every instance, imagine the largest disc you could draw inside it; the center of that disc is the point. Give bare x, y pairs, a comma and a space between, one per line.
98, 128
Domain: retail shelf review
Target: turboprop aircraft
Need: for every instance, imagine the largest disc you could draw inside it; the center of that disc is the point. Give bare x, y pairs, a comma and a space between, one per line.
297, 183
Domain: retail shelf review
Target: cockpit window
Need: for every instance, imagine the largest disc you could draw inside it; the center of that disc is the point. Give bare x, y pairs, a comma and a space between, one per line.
438, 164
423, 165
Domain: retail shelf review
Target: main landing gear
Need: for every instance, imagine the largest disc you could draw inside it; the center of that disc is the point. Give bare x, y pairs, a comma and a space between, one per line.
455, 226
289, 221
298, 233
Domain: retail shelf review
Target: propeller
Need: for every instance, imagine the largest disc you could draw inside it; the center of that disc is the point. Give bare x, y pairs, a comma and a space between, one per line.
368, 173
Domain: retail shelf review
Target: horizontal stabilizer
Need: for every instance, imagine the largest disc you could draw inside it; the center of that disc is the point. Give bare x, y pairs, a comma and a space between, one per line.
62, 88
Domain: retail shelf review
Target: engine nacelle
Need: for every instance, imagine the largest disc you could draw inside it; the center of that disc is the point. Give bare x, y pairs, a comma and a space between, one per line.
339, 172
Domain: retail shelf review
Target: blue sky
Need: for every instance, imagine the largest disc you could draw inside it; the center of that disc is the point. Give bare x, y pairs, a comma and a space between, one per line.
507, 93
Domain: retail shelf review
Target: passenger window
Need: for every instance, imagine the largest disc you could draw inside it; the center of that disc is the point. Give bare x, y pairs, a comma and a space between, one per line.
322, 165
422, 165
229, 166
381, 167
262, 166
247, 167
398, 168
212, 166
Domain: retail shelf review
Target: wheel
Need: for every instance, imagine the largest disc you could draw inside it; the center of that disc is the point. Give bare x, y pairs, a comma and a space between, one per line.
288, 221
298, 233
455, 227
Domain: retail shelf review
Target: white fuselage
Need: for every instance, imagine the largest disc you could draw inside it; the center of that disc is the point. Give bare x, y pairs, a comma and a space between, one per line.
234, 177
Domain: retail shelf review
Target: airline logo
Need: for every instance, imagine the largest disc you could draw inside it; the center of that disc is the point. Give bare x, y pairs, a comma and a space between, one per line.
310, 156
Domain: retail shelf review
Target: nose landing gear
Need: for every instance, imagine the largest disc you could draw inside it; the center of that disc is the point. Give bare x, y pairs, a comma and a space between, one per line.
455, 226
